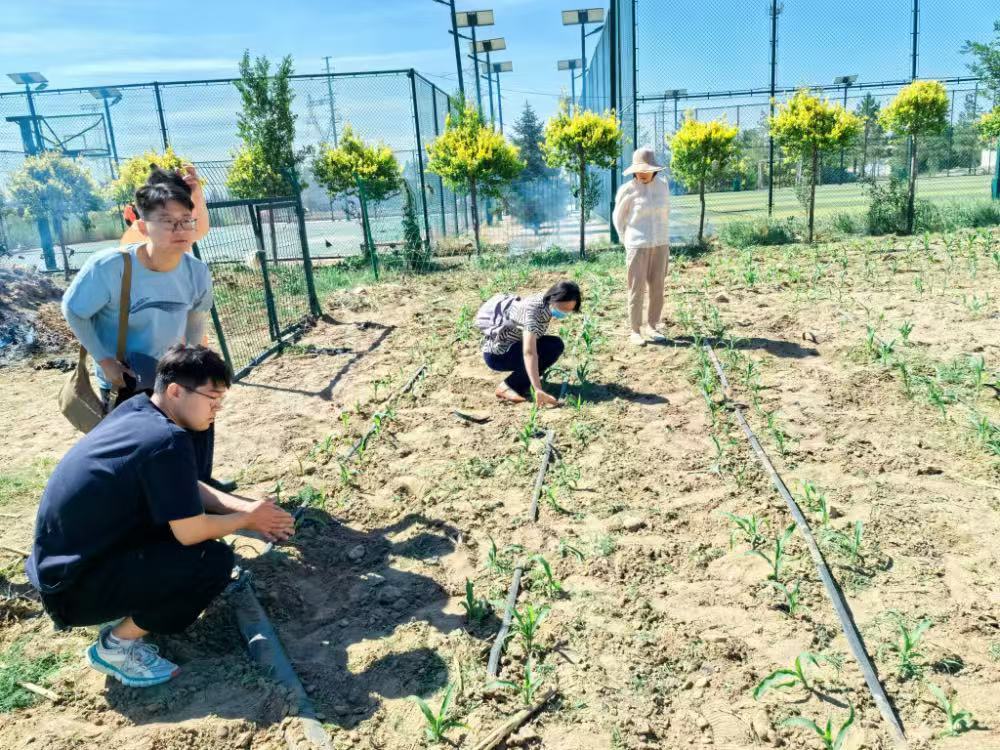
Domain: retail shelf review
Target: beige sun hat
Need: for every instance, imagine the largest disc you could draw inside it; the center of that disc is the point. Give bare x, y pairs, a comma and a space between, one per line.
644, 160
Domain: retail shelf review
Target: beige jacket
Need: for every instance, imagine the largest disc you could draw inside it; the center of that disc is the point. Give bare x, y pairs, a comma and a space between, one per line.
642, 213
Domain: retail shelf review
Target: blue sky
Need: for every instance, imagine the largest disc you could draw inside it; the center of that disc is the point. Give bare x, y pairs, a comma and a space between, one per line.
718, 44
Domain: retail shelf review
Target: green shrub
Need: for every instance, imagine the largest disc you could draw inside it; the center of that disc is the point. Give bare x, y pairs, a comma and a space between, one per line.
886, 207
846, 223
760, 232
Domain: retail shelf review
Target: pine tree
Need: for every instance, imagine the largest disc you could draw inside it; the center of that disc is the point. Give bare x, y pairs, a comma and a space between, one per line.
528, 134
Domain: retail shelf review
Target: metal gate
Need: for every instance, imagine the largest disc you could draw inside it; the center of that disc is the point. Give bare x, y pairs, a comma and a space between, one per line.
262, 277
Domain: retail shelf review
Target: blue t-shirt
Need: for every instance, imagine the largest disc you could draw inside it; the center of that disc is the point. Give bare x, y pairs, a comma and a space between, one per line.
159, 305
120, 484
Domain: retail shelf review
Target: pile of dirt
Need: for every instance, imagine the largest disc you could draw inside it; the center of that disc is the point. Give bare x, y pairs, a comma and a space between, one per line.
30, 320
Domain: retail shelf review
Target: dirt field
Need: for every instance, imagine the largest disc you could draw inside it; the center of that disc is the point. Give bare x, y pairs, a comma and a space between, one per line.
660, 624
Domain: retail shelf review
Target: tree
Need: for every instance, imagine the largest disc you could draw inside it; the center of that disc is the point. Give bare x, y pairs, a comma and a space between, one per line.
340, 169
54, 186
471, 157
580, 139
527, 134
702, 153
867, 110
807, 126
920, 109
132, 174
414, 252
267, 163
988, 128
986, 64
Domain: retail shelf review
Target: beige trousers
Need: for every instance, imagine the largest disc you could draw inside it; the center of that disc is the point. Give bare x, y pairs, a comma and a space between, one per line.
646, 266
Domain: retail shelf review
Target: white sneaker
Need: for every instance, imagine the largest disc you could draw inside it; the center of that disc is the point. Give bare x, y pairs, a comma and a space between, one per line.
655, 336
636, 339
133, 663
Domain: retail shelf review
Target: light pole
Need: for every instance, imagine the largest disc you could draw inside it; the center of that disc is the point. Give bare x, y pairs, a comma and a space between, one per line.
674, 94
488, 46
581, 18
33, 145
498, 68
458, 50
472, 19
846, 82
110, 96
40, 82
571, 66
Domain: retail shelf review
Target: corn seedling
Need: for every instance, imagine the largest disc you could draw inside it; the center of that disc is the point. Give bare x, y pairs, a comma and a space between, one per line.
956, 721
582, 432
526, 624
309, 496
475, 609
904, 373
870, 337
791, 595
526, 688
918, 284
552, 587
323, 446
777, 558
849, 544
278, 488
781, 679
907, 648
826, 734
345, 418
552, 500
576, 401
987, 433
884, 352
465, 323
750, 527
583, 372
437, 724
530, 428
347, 474
781, 438
566, 476
815, 500
566, 549
498, 562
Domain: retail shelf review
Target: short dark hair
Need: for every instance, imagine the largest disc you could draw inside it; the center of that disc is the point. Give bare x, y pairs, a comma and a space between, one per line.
162, 186
190, 367
564, 291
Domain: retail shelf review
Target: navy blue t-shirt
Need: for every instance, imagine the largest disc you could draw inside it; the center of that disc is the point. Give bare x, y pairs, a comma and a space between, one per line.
121, 483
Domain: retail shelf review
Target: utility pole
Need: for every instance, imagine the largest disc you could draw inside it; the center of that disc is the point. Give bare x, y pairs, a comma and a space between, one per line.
775, 11
329, 93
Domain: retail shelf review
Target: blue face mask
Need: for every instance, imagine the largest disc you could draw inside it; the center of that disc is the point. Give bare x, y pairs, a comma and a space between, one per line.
557, 313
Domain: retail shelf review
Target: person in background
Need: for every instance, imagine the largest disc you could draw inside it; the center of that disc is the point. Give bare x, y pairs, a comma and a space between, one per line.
169, 299
125, 532
515, 339
642, 218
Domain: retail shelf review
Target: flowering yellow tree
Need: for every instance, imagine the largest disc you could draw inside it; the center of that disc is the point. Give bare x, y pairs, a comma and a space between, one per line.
989, 130
580, 139
472, 157
806, 126
702, 153
132, 174
919, 109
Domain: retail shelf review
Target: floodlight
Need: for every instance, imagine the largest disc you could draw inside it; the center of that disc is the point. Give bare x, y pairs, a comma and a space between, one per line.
503, 67
26, 79
491, 45
845, 80
590, 15
570, 64
466, 18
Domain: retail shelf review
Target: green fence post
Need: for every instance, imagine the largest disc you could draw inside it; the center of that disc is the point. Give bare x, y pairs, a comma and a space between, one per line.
307, 265
366, 227
420, 157
217, 323
272, 313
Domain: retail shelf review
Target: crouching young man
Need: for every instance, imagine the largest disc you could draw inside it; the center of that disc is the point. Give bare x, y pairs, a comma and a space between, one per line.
126, 532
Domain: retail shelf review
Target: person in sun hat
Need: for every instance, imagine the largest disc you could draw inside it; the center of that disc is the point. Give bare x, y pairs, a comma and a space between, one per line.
642, 218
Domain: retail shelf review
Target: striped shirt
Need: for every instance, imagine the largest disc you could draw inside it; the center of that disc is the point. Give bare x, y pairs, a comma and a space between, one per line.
529, 314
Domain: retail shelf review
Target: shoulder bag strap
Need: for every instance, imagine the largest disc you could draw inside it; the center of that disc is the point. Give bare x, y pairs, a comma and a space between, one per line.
123, 304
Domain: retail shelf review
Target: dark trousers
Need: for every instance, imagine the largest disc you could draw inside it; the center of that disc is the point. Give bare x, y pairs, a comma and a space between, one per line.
163, 586
204, 442
550, 348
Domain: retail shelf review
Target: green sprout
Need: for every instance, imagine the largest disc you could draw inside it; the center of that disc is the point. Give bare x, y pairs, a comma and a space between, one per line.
907, 648
437, 724
527, 622
475, 609
777, 558
791, 596
751, 527
825, 734
957, 721
781, 679
526, 688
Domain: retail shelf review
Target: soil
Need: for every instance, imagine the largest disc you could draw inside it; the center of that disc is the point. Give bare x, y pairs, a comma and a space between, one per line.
30, 320
664, 623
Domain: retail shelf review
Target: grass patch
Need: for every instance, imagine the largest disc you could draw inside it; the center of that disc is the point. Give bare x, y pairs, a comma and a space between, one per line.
743, 234
15, 667
25, 485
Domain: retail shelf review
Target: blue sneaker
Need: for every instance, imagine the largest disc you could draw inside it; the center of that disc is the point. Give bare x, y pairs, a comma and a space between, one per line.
135, 664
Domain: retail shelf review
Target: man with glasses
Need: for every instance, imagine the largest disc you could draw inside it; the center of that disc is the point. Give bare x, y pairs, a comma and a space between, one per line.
169, 297
125, 529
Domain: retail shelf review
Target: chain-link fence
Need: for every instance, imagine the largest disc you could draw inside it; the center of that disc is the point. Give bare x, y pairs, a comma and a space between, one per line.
657, 62
198, 119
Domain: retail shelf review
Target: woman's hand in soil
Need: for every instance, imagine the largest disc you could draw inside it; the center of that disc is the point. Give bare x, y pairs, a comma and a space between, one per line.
544, 399
270, 520
115, 371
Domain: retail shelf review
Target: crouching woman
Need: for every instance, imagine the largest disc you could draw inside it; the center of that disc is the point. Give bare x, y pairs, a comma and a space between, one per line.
516, 339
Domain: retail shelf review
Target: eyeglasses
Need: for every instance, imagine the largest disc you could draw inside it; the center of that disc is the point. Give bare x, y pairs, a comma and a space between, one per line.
216, 400
184, 225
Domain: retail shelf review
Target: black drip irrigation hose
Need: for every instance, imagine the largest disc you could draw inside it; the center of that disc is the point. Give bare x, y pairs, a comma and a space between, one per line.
493, 666
363, 440
265, 649
833, 590
540, 478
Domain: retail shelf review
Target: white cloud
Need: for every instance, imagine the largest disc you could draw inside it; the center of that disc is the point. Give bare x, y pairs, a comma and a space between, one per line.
150, 66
